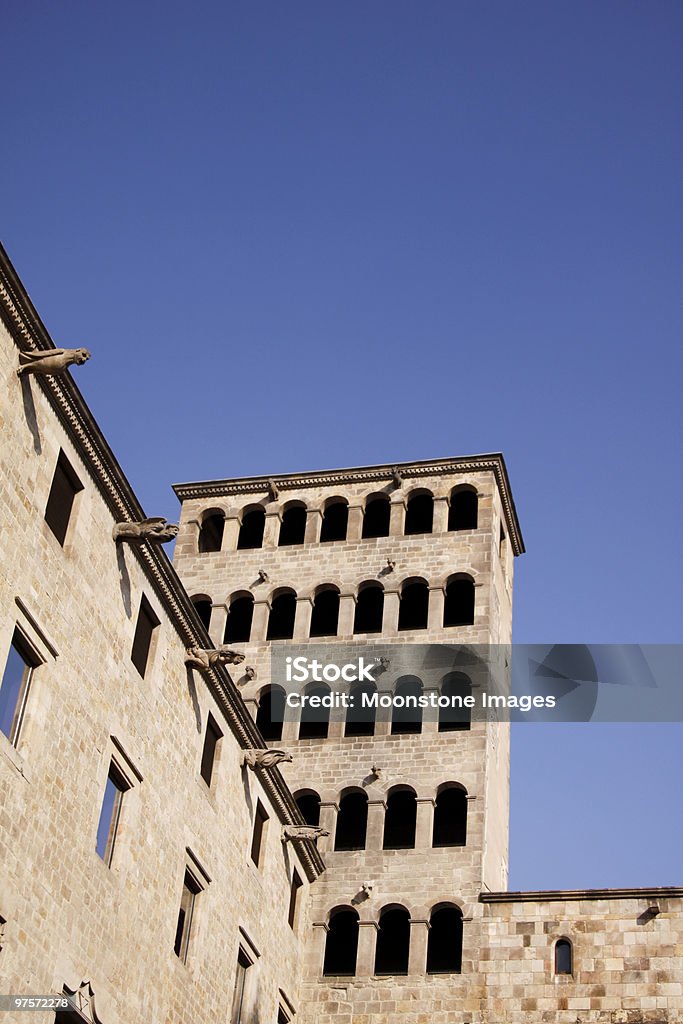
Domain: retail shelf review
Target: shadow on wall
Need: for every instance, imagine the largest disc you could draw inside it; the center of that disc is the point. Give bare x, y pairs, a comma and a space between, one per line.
30, 414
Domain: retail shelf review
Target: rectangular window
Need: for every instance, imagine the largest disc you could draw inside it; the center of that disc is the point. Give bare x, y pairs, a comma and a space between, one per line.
144, 631
191, 889
212, 739
282, 1016
110, 813
15, 685
294, 898
260, 819
238, 1000
65, 487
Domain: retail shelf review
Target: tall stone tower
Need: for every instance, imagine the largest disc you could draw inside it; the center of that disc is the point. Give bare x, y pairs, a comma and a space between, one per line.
416, 810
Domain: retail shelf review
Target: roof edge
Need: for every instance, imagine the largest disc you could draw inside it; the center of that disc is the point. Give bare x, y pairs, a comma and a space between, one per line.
554, 895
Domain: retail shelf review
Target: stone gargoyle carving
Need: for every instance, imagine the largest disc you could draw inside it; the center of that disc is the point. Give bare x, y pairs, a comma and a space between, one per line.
51, 361
297, 833
154, 530
396, 477
203, 659
265, 758
250, 672
273, 490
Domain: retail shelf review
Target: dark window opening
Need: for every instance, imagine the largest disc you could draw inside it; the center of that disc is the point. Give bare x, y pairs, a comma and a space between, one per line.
407, 719
293, 526
237, 1015
211, 533
325, 614
191, 890
458, 609
376, 518
335, 521
450, 818
203, 608
144, 631
393, 942
309, 806
16, 680
212, 738
360, 720
341, 943
369, 610
352, 822
400, 820
462, 513
238, 622
315, 721
419, 514
260, 819
110, 814
281, 617
251, 529
444, 944
454, 717
65, 487
271, 713
282, 1016
294, 899
563, 957
413, 610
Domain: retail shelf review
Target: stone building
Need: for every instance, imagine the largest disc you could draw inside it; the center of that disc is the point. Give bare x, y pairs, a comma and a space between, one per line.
148, 872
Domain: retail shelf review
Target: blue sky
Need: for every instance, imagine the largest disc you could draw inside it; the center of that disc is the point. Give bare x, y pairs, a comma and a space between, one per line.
307, 235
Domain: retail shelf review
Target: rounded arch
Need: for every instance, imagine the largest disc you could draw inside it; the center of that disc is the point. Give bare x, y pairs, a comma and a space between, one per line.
239, 618
341, 942
369, 611
444, 943
282, 614
271, 712
457, 715
463, 508
211, 526
335, 519
292, 524
325, 611
406, 716
352, 820
413, 612
450, 815
252, 523
419, 512
376, 515
393, 940
458, 608
400, 818
563, 958
203, 606
315, 716
308, 802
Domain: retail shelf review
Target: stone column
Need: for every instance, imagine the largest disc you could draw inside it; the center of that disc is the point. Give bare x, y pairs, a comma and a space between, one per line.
219, 616
417, 958
384, 715
424, 823
440, 523
435, 617
430, 715
328, 819
355, 524
259, 622
317, 947
252, 706
347, 610
188, 538
392, 603
375, 833
397, 517
231, 531
367, 942
302, 618
314, 518
271, 530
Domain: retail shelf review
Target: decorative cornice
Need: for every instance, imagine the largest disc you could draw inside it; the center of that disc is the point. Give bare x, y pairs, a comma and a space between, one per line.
30, 334
556, 895
493, 462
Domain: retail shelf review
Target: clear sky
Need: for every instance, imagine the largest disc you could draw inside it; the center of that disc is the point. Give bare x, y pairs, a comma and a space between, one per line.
309, 235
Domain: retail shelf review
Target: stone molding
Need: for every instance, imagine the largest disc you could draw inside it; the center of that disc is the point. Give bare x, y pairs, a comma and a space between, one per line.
556, 895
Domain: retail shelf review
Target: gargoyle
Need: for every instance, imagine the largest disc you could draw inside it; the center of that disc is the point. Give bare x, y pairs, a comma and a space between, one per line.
51, 361
273, 490
204, 659
265, 758
297, 833
155, 530
250, 672
396, 476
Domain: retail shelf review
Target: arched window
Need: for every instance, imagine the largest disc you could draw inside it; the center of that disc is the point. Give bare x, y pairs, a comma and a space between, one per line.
369, 608
271, 712
564, 959
315, 720
406, 716
203, 607
393, 941
360, 717
413, 610
293, 526
400, 819
281, 616
211, 532
251, 528
308, 802
419, 513
341, 942
456, 717
325, 614
462, 510
352, 821
335, 520
238, 622
376, 516
458, 609
444, 944
450, 816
